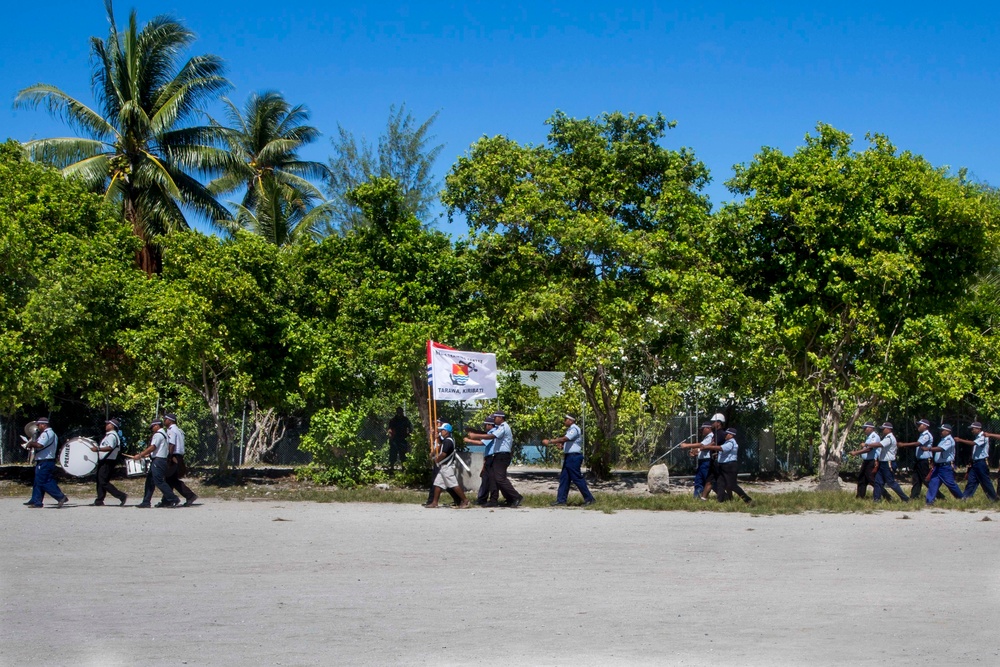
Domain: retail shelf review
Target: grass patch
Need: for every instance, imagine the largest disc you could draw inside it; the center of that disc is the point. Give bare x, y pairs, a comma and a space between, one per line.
290, 490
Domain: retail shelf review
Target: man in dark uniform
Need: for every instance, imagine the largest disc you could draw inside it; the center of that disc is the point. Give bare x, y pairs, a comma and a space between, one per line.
45, 443
400, 429
979, 469
572, 462
487, 484
869, 461
176, 469
502, 455
107, 459
922, 458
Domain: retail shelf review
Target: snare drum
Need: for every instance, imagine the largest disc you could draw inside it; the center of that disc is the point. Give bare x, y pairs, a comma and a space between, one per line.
136, 467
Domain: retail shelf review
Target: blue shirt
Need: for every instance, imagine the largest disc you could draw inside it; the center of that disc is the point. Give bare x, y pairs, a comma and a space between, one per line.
947, 443
924, 440
706, 454
981, 449
49, 442
872, 439
572, 444
488, 444
888, 451
730, 450
504, 439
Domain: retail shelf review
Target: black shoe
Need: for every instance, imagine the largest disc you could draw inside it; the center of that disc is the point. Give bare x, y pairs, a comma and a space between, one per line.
588, 502
36, 506
515, 503
30, 502
143, 506
97, 503
190, 501
556, 503
167, 503
123, 499
490, 504
59, 504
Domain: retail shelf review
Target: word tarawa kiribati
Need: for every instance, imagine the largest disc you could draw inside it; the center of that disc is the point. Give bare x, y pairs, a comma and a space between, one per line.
458, 375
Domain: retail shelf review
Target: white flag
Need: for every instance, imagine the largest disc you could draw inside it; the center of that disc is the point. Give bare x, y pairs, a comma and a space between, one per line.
462, 376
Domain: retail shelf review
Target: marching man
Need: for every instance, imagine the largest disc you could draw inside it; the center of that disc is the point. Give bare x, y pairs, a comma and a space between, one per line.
572, 461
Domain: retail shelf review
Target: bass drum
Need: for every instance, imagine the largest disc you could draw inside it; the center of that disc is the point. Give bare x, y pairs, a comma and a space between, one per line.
77, 459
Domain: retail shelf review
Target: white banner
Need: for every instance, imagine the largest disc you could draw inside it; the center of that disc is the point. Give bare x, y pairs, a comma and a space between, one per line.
462, 376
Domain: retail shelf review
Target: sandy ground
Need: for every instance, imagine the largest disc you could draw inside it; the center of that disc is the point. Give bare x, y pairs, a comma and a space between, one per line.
297, 583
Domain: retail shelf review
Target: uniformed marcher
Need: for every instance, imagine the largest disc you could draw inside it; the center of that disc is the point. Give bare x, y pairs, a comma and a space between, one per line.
979, 469
718, 437
487, 484
922, 457
502, 454
944, 461
46, 444
176, 469
884, 477
107, 459
572, 450
701, 475
727, 483
159, 449
869, 460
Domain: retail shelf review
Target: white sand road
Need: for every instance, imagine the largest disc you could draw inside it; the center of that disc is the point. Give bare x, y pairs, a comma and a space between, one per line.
228, 583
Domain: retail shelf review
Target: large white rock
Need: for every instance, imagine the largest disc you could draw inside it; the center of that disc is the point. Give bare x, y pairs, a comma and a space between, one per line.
658, 479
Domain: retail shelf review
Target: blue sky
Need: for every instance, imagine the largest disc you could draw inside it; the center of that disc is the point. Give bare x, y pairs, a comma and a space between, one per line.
735, 76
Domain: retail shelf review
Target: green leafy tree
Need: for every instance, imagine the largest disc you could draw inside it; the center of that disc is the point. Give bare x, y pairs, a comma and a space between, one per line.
66, 271
138, 149
859, 259
369, 301
281, 215
589, 252
213, 325
404, 153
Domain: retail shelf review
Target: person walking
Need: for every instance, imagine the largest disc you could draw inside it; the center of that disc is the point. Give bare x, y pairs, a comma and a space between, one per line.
572, 449
447, 476
487, 484
157, 476
727, 483
176, 468
502, 455
922, 458
884, 477
979, 469
869, 461
107, 460
944, 471
701, 475
45, 443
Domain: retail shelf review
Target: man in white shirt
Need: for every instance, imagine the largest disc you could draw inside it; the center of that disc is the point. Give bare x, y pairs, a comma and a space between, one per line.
175, 461
572, 448
157, 477
107, 459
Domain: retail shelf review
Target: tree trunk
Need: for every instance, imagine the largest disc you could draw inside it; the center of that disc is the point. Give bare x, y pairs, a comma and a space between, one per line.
833, 432
148, 257
266, 434
603, 402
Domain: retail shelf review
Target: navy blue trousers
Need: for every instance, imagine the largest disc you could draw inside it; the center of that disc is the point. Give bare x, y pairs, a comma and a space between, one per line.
943, 474
885, 479
571, 475
979, 473
701, 476
45, 482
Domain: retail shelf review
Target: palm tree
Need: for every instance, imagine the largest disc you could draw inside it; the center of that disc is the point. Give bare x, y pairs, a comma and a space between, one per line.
263, 142
282, 219
138, 150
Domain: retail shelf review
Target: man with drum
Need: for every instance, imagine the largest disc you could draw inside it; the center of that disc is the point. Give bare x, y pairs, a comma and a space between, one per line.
107, 459
175, 461
157, 477
45, 443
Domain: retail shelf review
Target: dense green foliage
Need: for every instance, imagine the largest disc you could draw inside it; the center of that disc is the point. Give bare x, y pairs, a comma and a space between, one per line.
841, 284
